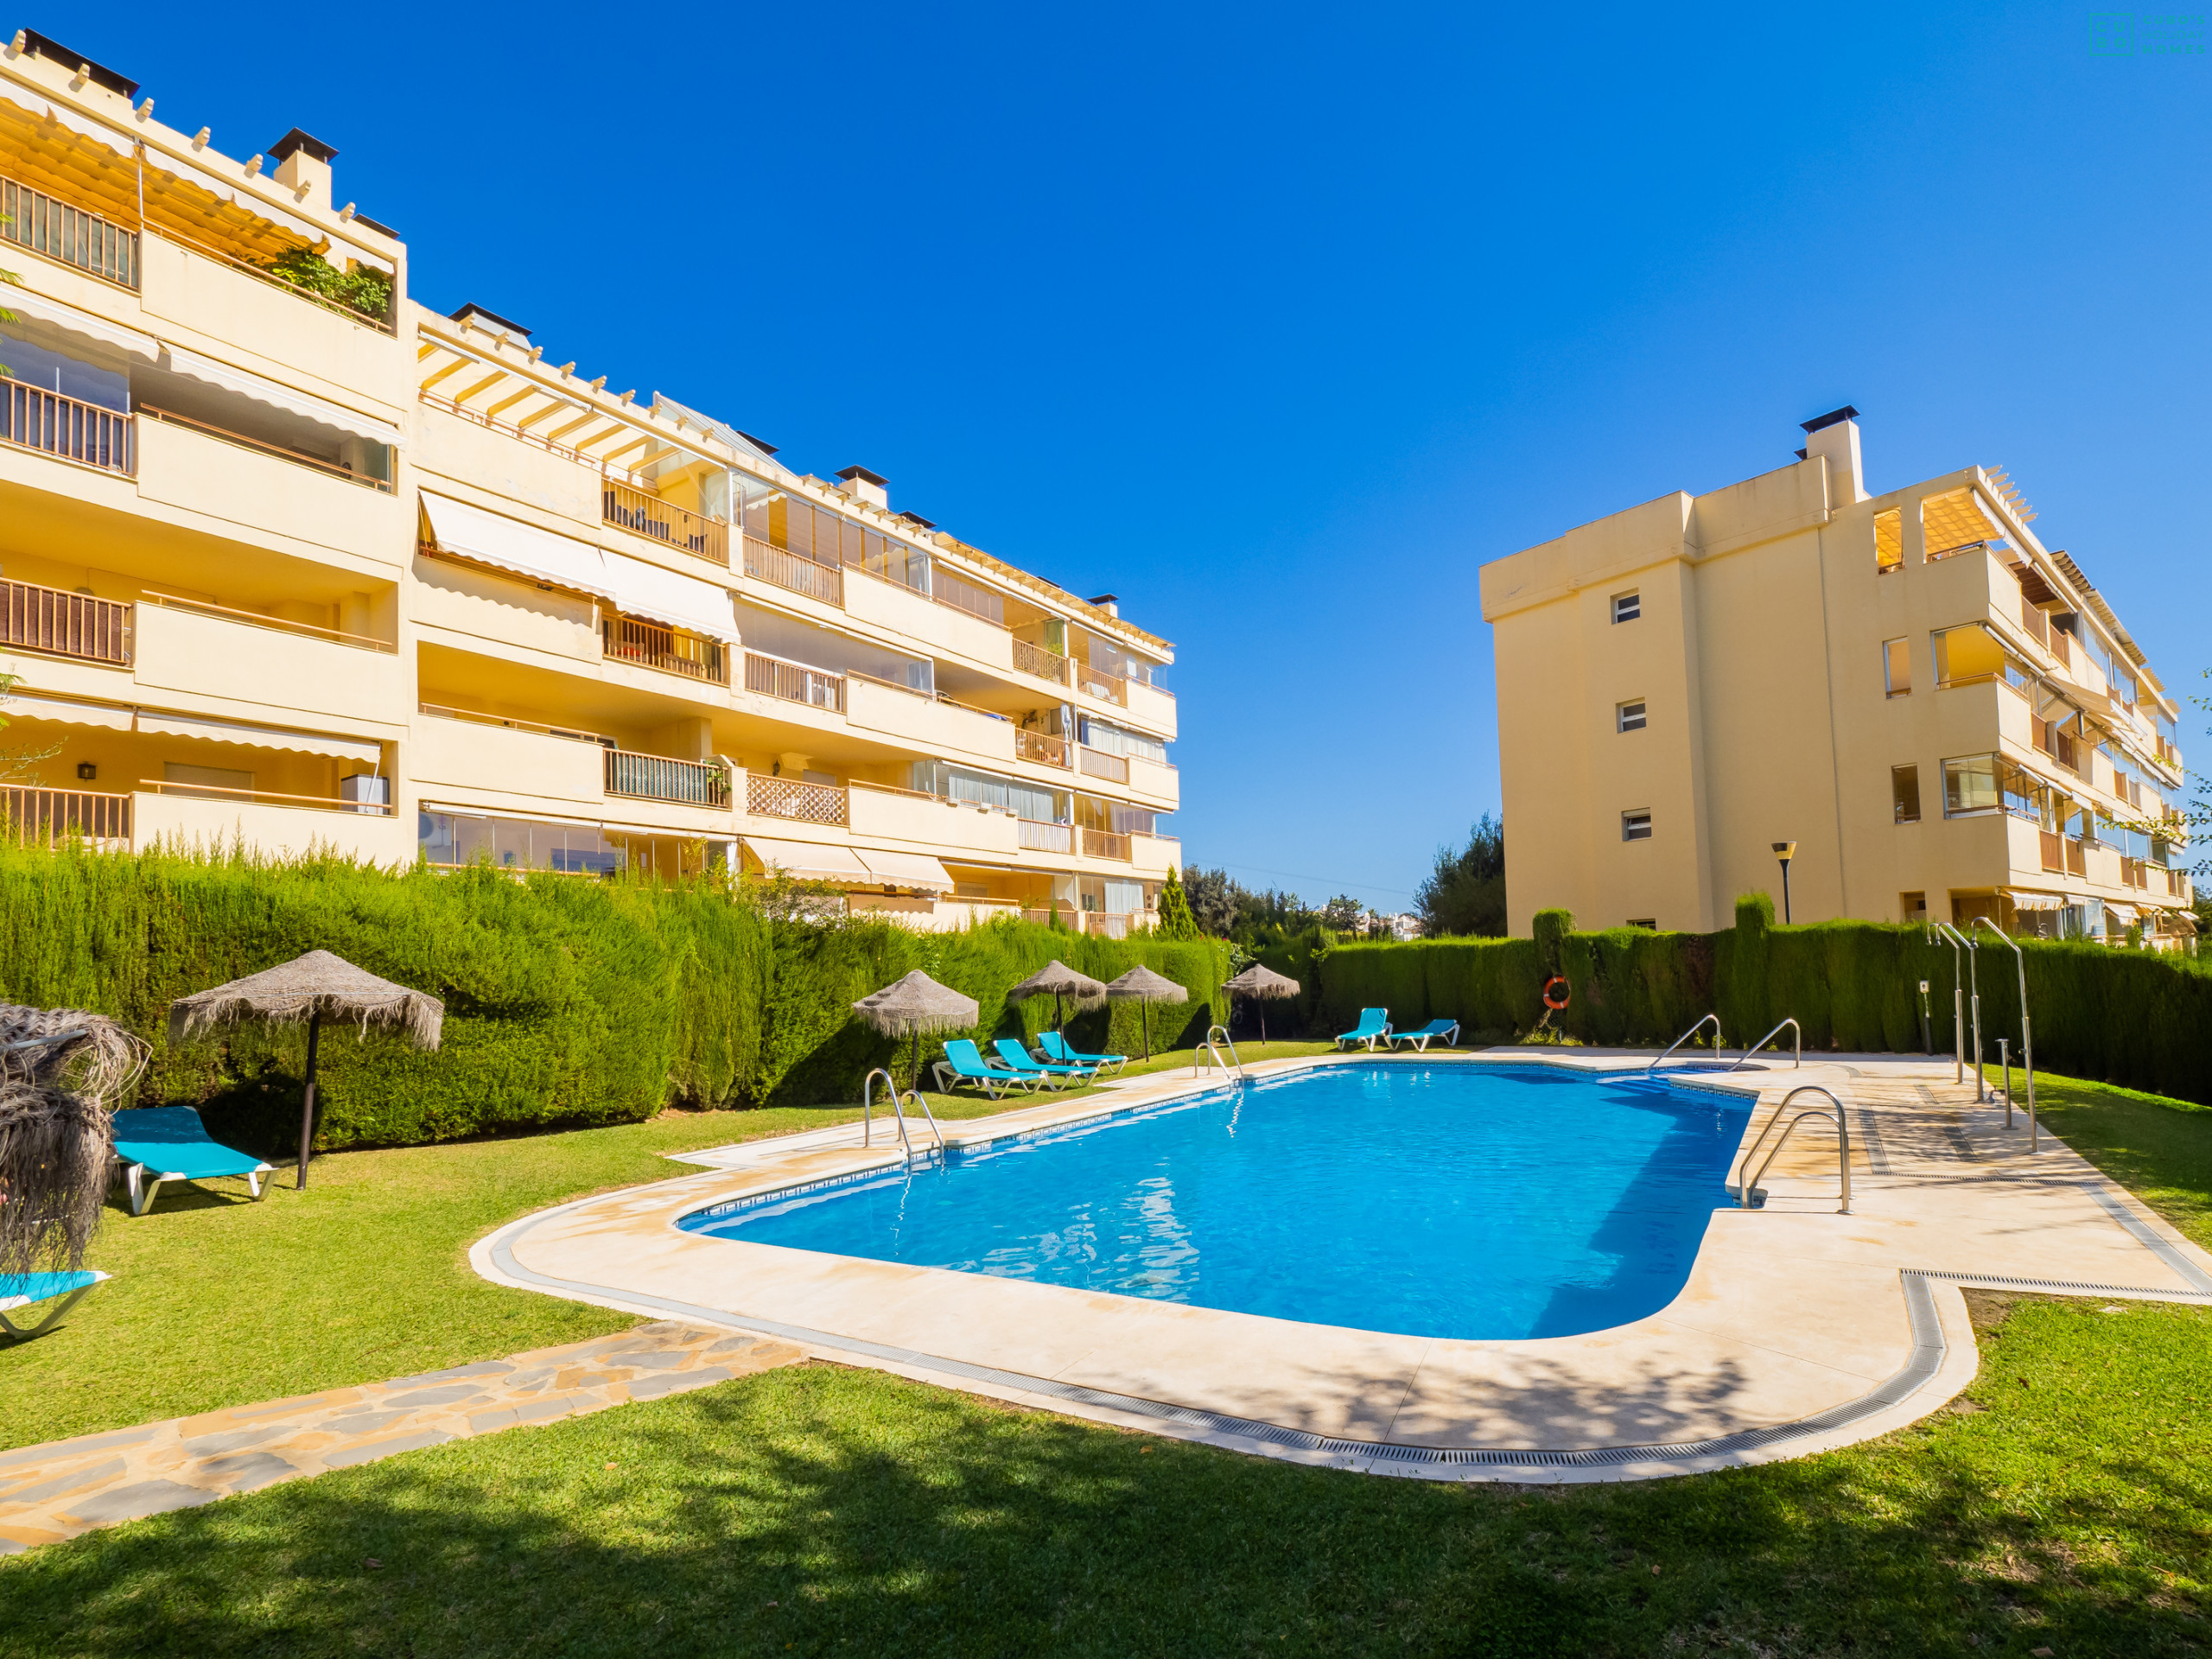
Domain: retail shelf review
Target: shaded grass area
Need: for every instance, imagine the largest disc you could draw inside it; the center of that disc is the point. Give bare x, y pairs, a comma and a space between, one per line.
2066, 1506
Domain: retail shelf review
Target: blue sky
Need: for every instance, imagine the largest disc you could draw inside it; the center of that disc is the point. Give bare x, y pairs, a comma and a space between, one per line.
1279, 321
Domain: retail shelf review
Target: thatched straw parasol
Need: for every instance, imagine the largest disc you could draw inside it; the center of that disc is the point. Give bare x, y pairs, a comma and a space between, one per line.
1261, 982
313, 988
56, 1140
916, 1004
1142, 985
1056, 979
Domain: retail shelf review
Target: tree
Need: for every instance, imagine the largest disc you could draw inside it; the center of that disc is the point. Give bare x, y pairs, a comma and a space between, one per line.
1466, 892
1176, 921
1214, 900
1343, 914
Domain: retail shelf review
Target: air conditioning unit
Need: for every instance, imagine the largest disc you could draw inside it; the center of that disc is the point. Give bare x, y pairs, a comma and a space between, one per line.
368, 793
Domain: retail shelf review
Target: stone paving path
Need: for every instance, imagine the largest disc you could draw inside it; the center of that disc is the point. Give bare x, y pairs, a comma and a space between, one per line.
55, 1491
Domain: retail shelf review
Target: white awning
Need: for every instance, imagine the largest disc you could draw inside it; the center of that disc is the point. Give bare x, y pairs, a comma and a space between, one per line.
260, 737
26, 303
669, 596
304, 404
493, 539
2121, 915
23, 706
2039, 900
906, 869
23, 97
810, 862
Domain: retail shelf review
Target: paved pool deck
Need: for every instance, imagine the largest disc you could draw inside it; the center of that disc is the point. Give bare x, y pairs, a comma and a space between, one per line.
1799, 1329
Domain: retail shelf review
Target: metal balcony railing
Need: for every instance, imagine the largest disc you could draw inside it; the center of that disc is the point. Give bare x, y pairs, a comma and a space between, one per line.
794, 571
632, 640
794, 682
31, 219
1042, 747
1097, 763
658, 778
795, 800
1044, 664
46, 817
1039, 837
61, 624
1097, 682
648, 515
54, 425
1105, 843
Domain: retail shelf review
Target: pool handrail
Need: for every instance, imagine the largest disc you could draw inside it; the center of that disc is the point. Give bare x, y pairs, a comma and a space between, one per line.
1713, 1019
1748, 1182
1973, 1003
1795, 1064
2027, 1041
868, 1126
1198, 1054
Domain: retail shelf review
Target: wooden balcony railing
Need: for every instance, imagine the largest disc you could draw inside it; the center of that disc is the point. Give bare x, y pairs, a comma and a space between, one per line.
658, 778
2054, 850
1105, 843
46, 817
794, 682
60, 624
793, 800
1038, 837
1108, 687
31, 219
1041, 747
1097, 763
794, 571
1044, 664
54, 425
2077, 857
649, 516
632, 640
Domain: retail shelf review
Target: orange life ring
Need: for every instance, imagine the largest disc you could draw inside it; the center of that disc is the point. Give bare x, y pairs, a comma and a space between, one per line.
1560, 981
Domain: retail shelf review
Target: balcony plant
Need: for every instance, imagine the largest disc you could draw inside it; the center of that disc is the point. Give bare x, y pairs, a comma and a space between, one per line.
361, 289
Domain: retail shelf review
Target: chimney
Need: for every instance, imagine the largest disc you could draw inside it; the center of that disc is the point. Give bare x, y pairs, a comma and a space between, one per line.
869, 486
303, 166
1110, 603
1834, 438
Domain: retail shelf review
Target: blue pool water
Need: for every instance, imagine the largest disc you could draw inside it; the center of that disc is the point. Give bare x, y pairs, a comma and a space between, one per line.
1445, 1201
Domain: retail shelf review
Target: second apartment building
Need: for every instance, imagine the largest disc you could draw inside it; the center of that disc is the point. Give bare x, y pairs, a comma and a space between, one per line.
291, 560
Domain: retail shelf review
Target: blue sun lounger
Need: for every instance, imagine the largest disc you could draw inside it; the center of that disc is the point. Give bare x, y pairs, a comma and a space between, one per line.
1056, 1047
1373, 1026
20, 1290
963, 1064
1439, 1031
1019, 1059
155, 1144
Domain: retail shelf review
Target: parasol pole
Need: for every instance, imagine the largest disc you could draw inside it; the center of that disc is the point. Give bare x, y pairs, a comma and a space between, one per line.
307, 1107
1144, 1007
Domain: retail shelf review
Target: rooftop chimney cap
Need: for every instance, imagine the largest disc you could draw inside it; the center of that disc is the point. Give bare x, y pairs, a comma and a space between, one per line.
1110, 603
865, 476
297, 139
52, 51
916, 519
761, 444
1846, 413
472, 311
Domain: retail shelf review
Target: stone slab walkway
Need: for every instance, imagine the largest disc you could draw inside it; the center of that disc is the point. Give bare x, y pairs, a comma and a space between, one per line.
57, 1490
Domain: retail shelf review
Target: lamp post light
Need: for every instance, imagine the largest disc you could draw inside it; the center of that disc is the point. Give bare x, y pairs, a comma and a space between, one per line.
1926, 1041
1785, 850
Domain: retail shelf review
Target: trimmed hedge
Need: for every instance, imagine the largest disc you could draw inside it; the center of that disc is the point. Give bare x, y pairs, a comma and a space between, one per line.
568, 1001
2129, 1017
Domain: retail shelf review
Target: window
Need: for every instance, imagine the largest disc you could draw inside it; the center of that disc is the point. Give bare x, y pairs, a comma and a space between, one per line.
1628, 716
1905, 793
1648, 923
1970, 786
1889, 542
1972, 655
1897, 668
1627, 607
1914, 905
1635, 826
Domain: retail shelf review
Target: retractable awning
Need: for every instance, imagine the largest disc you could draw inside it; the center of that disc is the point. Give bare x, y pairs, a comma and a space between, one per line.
906, 869
308, 406
2038, 900
811, 860
671, 597
23, 706
26, 303
260, 737
495, 539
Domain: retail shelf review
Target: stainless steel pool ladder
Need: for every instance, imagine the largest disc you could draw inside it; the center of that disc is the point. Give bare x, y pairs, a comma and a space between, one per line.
1798, 1033
1228, 1070
1713, 1019
1748, 1182
867, 1115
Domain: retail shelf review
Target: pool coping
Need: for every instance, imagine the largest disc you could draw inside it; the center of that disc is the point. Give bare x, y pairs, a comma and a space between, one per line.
1940, 1361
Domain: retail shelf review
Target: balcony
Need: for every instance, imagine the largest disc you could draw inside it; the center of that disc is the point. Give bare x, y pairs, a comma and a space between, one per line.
58, 624
1097, 682
1038, 837
1105, 843
1042, 747
297, 457
50, 817
67, 430
796, 802
794, 682
632, 640
1044, 664
794, 572
647, 515
1097, 763
658, 778
266, 798
31, 219
287, 668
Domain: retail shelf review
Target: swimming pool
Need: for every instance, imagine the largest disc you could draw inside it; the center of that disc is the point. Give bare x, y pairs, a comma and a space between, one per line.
1451, 1200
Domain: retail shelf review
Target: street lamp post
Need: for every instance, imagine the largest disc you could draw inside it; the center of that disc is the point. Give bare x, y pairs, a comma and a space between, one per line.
1785, 850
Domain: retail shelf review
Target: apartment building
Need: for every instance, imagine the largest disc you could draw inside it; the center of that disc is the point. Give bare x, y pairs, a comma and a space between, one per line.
289, 560
1934, 714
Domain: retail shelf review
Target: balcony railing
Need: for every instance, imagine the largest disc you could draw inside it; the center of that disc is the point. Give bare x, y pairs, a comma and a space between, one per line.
795, 800
281, 624
1105, 843
276, 279
2054, 850
1043, 747
1044, 664
1097, 763
2059, 745
1108, 687
1039, 837
794, 571
679, 527
2077, 857
631, 640
538, 728
794, 682
266, 798
54, 425
64, 625
298, 458
31, 219
46, 817
658, 778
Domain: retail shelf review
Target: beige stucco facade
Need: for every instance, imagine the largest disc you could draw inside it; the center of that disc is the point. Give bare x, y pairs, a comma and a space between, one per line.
1943, 715
311, 568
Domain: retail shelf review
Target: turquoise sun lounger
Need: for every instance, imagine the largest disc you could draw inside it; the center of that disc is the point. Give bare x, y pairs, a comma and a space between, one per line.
20, 1290
963, 1064
1057, 1047
1437, 1031
1373, 1026
1019, 1059
155, 1144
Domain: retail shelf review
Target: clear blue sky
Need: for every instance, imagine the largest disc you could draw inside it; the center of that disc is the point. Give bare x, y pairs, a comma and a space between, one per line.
1278, 322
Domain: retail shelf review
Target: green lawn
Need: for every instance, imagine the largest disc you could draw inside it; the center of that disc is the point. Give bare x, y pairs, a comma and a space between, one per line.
2065, 1504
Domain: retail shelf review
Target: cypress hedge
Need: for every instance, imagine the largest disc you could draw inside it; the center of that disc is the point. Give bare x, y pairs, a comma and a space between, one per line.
2130, 1017
568, 1001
